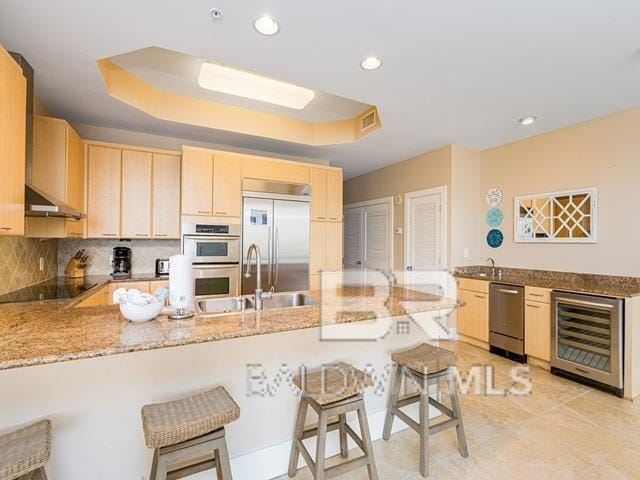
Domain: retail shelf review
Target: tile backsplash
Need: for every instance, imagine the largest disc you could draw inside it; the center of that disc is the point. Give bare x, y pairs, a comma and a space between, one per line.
20, 262
143, 253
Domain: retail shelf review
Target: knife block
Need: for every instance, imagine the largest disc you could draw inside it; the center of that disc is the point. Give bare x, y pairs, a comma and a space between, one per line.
74, 269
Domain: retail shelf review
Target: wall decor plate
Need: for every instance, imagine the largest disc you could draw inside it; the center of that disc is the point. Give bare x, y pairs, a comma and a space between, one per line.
494, 197
494, 217
495, 238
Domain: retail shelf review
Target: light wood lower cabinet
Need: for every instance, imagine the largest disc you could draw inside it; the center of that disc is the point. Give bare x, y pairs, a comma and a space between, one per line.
473, 315
334, 245
104, 295
537, 323
97, 299
136, 194
13, 96
104, 191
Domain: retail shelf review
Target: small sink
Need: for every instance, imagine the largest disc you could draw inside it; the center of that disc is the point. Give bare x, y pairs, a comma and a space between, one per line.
482, 275
223, 305
285, 300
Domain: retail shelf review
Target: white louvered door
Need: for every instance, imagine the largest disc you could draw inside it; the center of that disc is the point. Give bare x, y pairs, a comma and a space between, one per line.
367, 236
353, 219
425, 231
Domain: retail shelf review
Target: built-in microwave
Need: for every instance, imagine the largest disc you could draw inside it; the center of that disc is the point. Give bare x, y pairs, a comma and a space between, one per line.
211, 281
208, 242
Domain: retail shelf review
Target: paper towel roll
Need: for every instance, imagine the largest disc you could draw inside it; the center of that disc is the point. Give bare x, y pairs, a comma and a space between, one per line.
180, 282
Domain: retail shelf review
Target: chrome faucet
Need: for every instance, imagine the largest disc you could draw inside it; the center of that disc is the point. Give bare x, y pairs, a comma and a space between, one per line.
493, 266
253, 248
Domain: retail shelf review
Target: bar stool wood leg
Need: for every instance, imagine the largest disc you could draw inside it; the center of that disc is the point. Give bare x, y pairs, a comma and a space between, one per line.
424, 433
39, 474
395, 386
223, 466
297, 434
457, 411
320, 473
366, 441
344, 446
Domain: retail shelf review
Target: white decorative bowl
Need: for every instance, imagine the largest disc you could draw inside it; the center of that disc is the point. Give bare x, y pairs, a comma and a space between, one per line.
140, 313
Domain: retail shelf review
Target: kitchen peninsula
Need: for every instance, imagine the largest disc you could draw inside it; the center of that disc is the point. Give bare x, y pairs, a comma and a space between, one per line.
251, 353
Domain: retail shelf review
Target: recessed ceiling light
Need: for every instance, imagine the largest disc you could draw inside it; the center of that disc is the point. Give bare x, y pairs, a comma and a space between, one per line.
266, 25
232, 81
371, 63
528, 120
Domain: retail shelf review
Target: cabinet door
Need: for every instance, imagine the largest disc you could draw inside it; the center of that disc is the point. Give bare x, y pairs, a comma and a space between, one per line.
50, 156
12, 144
537, 330
136, 194
318, 250
256, 167
103, 206
333, 244
318, 184
75, 181
166, 196
334, 195
197, 182
473, 317
227, 185
294, 172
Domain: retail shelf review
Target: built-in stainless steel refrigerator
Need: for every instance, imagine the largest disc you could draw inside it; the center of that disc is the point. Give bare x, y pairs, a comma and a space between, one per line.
276, 218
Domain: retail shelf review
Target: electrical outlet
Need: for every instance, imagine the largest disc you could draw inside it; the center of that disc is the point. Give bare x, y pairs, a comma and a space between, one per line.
41, 263
466, 253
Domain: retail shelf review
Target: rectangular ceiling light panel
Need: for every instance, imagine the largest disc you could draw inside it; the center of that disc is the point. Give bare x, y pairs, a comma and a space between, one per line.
231, 81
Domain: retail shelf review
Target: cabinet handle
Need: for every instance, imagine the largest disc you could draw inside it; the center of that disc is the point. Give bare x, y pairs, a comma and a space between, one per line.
480, 296
533, 306
161, 234
109, 234
333, 218
6, 228
142, 234
204, 211
322, 218
536, 295
221, 213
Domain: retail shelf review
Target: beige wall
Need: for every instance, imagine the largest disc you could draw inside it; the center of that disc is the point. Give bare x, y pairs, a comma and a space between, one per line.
604, 153
428, 170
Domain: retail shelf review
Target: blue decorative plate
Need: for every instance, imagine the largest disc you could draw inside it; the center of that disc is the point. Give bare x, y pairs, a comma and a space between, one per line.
495, 238
494, 217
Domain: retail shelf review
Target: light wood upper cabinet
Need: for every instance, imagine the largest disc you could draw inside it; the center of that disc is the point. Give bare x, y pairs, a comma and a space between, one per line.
473, 316
537, 330
58, 170
13, 94
318, 184
227, 185
166, 196
104, 188
257, 167
334, 195
197, 182
136, 194
277, 170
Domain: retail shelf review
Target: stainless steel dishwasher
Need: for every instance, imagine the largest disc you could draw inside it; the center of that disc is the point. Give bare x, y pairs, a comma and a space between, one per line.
506, 321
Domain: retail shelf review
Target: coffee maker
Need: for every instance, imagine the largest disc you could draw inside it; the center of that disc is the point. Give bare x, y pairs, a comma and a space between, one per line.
121, 262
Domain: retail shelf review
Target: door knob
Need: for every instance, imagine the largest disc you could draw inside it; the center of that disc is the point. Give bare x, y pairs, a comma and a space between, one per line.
410, 268
358, 262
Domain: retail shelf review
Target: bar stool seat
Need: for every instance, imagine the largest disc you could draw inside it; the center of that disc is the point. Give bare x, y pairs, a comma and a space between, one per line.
186, 430
334, 383
332, 391
425, 365
25, 451
425, 359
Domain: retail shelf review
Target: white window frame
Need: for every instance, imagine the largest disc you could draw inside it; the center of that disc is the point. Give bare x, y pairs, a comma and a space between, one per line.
592, 238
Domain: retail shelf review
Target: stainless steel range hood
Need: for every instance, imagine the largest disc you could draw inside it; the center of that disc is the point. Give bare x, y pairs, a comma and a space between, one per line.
40, 204
37, 202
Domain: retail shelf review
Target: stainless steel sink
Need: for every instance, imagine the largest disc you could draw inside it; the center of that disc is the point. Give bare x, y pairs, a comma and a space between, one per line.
223, 305
285, 300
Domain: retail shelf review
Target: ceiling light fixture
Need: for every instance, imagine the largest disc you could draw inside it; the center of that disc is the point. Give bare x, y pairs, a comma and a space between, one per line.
231, 81
371, 63
528, 120
266, 25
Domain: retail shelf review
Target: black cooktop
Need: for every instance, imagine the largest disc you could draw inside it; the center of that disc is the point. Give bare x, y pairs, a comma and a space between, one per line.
54, 289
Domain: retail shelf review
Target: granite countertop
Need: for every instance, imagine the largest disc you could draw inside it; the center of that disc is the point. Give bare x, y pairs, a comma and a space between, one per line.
606, 285
43, 332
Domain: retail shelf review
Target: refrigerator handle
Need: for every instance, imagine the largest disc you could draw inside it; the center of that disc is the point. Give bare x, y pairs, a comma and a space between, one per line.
270, 269
276, 255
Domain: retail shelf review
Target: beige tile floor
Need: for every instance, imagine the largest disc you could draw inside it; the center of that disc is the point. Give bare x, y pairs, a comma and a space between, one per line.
562, 430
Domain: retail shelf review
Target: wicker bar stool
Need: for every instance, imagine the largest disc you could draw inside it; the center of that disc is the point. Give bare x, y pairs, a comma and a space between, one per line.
188, 435
332, 391
425, 365
24, 452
